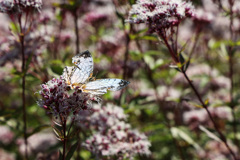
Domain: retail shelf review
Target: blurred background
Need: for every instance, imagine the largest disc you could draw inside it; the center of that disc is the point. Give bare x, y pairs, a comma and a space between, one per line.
158, 102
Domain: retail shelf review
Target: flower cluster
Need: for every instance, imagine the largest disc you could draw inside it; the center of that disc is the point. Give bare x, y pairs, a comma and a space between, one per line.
217, 150
195, 118
6, 135
17, 6
58, 99
202, 17
95, 19
160, 14
113, 137
37, 143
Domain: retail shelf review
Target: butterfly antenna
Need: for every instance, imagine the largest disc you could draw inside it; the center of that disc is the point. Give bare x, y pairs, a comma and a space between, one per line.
94, 77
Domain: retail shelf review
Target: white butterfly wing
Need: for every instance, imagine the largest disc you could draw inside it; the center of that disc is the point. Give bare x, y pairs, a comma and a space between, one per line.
102, 85
67, 72
84, 67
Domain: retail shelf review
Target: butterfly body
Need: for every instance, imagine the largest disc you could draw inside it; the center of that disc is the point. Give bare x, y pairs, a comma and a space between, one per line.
80, 76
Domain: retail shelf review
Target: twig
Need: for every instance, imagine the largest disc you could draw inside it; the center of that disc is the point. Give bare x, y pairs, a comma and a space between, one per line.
21, 37
231, 72
64, 124
222, 137
159, 101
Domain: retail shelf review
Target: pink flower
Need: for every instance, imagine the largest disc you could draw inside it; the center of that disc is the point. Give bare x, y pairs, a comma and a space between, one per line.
113, 136
58, 99
17, 6
160, 14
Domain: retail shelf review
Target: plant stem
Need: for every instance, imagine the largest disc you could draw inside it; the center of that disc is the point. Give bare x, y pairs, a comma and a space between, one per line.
231, 72
159, 101
174, 56
198, 31
222, 137
21, 37
64, 138
125, 69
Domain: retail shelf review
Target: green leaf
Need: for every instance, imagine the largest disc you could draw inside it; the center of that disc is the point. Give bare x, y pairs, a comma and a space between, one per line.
131, 1
149, 38
56, 67
206, 102
178, 133
58, 133
71, 151
28, 62
119, 15
149, 60
14, 27
186, 65
182, 60
175, 67
60, 155
209, 134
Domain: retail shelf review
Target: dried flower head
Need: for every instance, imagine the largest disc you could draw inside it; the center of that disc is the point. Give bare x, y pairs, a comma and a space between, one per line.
128, 145
58, 99
113, 137
18, 6
160, 14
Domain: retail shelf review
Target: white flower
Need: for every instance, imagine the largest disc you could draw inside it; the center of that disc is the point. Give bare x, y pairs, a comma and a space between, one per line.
160, 14
113, 136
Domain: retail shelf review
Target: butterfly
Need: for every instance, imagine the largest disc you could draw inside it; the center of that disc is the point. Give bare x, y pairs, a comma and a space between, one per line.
80, 76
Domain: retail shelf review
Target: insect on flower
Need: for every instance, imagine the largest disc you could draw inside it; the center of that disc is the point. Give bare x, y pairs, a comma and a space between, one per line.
80, 76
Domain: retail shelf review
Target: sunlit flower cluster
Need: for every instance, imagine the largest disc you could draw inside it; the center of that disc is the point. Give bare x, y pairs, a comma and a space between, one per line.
114, 137
58, 99
160, 14
17, 6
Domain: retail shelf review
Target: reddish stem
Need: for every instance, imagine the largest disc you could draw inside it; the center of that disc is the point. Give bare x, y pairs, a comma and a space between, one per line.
222, 137
64, 122
21, 37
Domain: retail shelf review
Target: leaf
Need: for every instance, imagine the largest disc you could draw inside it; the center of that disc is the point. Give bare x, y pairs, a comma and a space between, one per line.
57, 133
206, 102
72, 5
119, 15
14, 27
149, 60
71, 151
176, 132
60, 155
56, 67
196, 105
186, 65
209, 134
148, 37
182, 59
131, 1
175, 67
28, 62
